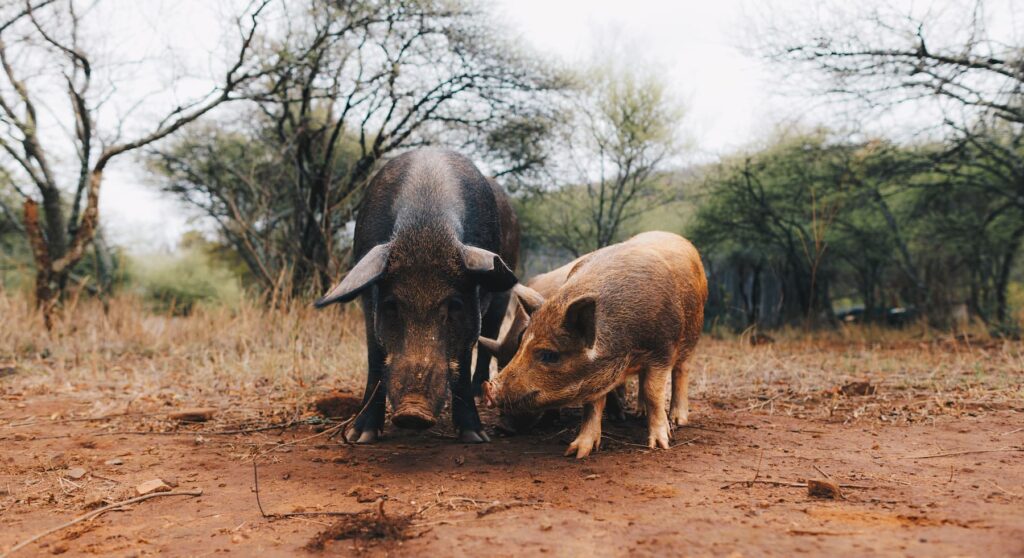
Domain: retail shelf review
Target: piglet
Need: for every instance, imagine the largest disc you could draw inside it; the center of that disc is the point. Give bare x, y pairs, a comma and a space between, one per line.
631, 308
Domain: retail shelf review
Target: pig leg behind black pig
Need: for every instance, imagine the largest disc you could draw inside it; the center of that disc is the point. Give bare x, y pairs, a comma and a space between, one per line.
464, 413
369, 424
490, 325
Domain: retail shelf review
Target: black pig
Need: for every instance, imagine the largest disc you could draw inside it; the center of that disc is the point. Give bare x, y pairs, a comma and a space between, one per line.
435, 245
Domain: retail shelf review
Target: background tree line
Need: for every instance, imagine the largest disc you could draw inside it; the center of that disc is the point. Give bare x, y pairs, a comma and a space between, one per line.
313, 96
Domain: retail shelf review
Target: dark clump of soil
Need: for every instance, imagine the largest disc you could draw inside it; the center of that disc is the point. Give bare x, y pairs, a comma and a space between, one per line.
860, 388
365, 526
338, 404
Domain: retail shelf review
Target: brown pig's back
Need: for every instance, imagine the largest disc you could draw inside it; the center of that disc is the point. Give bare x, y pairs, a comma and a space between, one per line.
547, 284
650, 292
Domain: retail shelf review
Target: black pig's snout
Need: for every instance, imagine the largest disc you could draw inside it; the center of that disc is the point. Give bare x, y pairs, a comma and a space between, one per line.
413, 413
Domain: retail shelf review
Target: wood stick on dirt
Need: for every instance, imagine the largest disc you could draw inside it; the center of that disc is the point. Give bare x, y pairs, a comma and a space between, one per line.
787, 484
259, 504
97, 513
965, 452
816, 532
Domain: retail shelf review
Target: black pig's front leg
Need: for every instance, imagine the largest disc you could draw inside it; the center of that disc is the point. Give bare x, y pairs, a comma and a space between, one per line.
464, 413
369, 424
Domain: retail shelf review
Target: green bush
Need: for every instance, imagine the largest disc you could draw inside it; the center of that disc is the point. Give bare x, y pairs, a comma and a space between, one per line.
177, 283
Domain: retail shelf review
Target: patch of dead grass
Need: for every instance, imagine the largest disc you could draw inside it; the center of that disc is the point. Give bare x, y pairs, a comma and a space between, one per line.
260, 366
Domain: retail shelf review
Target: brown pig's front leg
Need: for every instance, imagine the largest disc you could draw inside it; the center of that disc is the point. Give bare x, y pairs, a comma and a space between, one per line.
653, 381
589, 438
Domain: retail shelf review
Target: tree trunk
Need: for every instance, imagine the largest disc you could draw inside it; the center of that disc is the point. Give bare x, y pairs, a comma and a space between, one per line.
46, 294
1003, 279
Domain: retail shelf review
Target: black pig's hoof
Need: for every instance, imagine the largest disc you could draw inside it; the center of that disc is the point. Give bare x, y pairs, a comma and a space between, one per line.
467, 436
368, 436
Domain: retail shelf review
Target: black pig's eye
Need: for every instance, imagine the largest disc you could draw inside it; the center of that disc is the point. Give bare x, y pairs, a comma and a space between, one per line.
455, 304
548, 357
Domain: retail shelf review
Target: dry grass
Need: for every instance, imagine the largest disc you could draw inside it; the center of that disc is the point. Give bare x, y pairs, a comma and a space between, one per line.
233, 359
256, 362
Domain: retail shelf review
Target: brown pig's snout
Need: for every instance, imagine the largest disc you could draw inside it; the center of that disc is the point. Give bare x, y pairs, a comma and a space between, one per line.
509, 394
413, 412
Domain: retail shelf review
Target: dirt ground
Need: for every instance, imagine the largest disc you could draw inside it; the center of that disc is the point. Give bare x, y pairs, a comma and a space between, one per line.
952, 485
923, 431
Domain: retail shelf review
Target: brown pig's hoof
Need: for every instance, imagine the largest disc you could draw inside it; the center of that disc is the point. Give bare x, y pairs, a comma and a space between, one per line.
583, 445
364, 437
473, 436
658, 437
678, 417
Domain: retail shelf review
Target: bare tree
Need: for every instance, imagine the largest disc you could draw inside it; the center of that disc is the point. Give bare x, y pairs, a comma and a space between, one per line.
621, 136
363, 80
35, 37
966, 60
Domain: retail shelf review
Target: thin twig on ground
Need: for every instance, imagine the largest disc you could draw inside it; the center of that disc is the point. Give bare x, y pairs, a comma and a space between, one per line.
96, 513
965, 452
788, 484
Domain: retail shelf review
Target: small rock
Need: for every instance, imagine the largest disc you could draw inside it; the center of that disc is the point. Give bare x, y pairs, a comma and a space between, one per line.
75, 474
546, 526
591, 477
197, 414
6, 370
150, 486
114, 461
823, 489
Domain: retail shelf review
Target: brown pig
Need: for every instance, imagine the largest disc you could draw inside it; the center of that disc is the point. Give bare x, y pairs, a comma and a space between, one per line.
526, 299
632, 308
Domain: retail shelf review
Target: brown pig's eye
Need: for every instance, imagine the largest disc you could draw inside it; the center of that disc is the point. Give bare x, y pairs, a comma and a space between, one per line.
547, 357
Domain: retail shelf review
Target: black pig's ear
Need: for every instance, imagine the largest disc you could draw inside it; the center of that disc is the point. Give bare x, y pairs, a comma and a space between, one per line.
581, 319
365, 272
488, 269
529, 299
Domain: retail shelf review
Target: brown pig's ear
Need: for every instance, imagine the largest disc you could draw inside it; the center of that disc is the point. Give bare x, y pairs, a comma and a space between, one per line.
488, 268
581, 319
490, 344
365, 272
529, 299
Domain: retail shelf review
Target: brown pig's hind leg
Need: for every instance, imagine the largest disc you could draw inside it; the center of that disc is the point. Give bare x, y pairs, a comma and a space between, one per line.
679, 411
615, 403
653, 381
589, 437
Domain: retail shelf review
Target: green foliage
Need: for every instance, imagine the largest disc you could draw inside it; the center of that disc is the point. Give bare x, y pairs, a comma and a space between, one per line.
872, 223
177, 283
